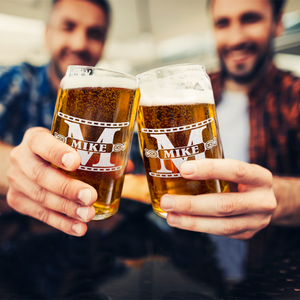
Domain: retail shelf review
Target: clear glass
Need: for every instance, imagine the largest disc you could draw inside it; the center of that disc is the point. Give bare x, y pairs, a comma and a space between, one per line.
95, 114
177, 122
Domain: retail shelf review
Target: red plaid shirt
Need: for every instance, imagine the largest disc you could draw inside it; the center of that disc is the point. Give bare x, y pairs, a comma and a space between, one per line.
274, 106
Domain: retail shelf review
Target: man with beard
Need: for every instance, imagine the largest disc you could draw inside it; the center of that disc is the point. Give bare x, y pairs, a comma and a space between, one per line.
258, 108
75, 35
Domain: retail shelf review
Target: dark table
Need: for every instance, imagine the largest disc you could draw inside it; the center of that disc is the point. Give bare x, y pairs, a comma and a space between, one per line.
136, 255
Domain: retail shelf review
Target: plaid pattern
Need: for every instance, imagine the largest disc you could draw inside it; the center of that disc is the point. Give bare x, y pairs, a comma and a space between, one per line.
27, 99
274, 105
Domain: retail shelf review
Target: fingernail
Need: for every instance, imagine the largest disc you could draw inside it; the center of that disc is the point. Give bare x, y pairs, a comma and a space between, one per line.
167, 203
174, 219
77, 229
188, 168
85, 196
68, 160
83, 212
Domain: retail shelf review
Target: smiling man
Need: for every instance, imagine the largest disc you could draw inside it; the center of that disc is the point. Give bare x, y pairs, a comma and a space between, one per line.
258, 109
75, 35
244, 32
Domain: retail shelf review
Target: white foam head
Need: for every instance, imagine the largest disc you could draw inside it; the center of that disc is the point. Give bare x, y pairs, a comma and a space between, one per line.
151, 95
101, 78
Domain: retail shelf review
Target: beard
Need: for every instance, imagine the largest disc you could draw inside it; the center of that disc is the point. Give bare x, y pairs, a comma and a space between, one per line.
258, 67
84, 57
58, 73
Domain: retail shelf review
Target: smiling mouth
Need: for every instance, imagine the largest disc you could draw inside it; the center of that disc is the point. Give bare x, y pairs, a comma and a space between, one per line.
239, 56
79, 58
239, 53
77, 61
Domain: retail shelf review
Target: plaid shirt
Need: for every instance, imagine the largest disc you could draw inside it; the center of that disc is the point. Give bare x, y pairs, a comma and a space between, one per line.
27, 99
274, 105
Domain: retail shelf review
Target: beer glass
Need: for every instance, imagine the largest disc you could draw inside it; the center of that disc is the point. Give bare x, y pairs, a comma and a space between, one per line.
177, 122
95, 114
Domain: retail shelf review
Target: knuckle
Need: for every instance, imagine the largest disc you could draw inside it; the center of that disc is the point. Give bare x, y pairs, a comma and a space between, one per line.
269, 178
271, 205
14, 155
10, 177
43, 215
39, 195
265, 177
39, 172
52, 152
30, 136
64, 188
212, 167
225, 205
11, 198
191, 224
239, 170
188, 205
265, 222
65, 204
230, 227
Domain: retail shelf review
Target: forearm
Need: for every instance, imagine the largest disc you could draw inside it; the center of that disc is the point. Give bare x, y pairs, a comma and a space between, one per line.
5, 150
287, 193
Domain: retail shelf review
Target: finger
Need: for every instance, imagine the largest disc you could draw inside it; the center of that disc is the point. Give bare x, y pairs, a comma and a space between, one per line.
220, 204
243, 226
52, 201
49, 178
24, 205
41, 142
226, 169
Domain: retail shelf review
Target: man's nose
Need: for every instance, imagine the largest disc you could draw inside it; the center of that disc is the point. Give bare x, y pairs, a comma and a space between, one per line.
236, 35
78, 41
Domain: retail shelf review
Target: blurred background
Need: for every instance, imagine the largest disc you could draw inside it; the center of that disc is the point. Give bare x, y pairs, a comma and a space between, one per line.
144, 34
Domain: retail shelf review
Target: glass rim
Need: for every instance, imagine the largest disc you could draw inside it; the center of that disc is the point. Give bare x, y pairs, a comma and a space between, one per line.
102, 69
138, 76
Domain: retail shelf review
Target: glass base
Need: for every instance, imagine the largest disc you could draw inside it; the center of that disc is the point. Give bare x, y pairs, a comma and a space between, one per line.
161, 214
102, 217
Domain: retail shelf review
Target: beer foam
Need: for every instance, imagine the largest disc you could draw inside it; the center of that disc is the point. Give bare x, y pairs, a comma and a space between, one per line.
156, 97
76, 82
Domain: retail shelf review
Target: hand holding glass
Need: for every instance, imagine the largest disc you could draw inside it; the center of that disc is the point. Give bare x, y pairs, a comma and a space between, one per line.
95, 114
177, 122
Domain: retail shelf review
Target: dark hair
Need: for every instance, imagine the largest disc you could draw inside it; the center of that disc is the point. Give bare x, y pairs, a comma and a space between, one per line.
277, 7
103, 4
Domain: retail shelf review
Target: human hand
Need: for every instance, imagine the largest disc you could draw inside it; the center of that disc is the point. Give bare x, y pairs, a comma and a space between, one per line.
237, 214
41, 191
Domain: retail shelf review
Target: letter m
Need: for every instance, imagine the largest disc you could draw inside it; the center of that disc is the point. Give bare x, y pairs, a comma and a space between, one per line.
163, 142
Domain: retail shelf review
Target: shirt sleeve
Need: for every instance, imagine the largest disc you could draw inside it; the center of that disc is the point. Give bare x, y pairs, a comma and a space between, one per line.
13, 83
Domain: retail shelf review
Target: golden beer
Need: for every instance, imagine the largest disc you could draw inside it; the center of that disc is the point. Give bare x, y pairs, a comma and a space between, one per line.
176, 126
98, 122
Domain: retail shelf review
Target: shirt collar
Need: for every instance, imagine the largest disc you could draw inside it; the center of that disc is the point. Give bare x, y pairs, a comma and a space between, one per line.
217, 80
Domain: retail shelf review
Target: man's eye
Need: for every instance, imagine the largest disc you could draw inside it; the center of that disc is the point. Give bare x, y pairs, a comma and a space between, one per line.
95, 34
251, 18
68, 26
222, 23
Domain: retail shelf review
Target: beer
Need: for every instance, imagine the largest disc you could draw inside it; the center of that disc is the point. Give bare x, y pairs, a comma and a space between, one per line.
177, 125
95, 115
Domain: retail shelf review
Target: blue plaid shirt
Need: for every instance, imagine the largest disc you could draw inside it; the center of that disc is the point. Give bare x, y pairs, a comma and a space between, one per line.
27, 99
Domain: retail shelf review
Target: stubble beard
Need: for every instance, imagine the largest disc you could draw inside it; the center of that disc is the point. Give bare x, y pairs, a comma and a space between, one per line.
257, 70
58, 73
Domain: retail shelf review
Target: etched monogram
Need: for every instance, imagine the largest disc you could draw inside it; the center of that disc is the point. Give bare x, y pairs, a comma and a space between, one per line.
103, 147
166, 151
